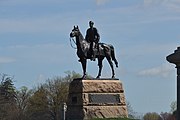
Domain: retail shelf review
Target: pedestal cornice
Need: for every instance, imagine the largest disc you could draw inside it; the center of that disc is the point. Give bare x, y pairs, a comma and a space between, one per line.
174, 57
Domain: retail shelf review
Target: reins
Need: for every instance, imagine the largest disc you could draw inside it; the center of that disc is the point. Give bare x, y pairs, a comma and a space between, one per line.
71, 39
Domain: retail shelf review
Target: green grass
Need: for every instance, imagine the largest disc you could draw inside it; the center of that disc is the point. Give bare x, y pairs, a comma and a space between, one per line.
112, 119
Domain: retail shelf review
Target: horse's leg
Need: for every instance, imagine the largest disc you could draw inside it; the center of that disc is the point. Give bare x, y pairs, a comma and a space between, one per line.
113, 56
100, 59
111, 65
83, 62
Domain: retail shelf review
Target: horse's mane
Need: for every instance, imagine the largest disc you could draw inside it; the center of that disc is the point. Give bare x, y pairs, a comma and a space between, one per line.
81, 36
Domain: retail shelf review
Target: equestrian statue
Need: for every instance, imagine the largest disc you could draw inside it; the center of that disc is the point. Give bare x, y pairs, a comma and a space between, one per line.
87, 49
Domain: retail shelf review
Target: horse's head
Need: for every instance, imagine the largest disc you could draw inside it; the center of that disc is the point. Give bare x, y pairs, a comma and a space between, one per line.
75, 32
79, 37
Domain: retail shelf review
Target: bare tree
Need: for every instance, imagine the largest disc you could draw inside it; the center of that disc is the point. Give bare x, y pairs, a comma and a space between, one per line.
22, 100
50, 96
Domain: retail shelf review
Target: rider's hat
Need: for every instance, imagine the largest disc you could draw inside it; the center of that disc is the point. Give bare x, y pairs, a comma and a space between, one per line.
91, 22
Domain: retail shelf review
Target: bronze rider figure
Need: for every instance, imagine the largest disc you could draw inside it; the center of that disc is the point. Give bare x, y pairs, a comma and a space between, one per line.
93, 37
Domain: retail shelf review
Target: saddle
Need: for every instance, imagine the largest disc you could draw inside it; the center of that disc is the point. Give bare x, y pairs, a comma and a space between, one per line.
98, 49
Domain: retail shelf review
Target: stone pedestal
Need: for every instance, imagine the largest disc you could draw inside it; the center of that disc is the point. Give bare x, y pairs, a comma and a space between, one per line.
96, 99
175, 59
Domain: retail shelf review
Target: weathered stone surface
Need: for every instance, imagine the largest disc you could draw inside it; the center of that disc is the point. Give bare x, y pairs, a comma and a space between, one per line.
96, 99
75, 113
76, 99
99, 86
104, 111
75, 86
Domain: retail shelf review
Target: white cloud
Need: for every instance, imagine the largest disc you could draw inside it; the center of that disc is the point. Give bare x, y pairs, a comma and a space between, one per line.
49, 23
174, 5
170, 4
56, 21
101, 2
39, 24
24, 2
40, 53
153, 2
6, 60
164, 71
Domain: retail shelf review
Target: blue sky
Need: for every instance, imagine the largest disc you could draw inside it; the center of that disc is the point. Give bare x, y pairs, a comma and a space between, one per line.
34, 37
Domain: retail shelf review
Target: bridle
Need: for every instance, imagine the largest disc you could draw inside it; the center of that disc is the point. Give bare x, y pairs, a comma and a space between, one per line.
72, 39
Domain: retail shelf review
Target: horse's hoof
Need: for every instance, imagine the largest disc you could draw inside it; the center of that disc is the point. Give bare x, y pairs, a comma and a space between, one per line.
113, 77
84, 77
98, 77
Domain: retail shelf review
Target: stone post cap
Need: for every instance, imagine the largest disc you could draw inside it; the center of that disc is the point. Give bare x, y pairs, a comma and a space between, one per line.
174, 57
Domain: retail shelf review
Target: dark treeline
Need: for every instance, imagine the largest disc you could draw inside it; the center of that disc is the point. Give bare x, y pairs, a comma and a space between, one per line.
40, 103
44, 102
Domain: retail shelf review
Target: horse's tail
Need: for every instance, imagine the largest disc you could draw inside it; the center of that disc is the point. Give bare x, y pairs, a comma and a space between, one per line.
113, 55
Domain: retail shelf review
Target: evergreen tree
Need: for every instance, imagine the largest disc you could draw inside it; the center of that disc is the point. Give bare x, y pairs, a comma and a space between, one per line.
8, 109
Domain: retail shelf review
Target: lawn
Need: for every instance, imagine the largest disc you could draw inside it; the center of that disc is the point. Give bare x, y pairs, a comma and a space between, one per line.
112, 119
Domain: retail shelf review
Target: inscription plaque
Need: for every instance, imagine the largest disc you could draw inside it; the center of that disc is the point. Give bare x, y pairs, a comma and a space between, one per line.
104, 98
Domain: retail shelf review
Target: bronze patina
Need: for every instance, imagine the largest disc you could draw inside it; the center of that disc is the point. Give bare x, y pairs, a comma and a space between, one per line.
84, 52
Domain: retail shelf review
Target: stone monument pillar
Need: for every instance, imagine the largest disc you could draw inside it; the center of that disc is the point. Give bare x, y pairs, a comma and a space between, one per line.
175, 59
96, 99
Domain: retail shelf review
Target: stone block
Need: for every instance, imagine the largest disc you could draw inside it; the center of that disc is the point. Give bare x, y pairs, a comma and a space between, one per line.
96, 99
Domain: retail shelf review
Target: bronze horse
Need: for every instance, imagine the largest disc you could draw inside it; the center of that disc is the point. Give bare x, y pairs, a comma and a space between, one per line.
101, 51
